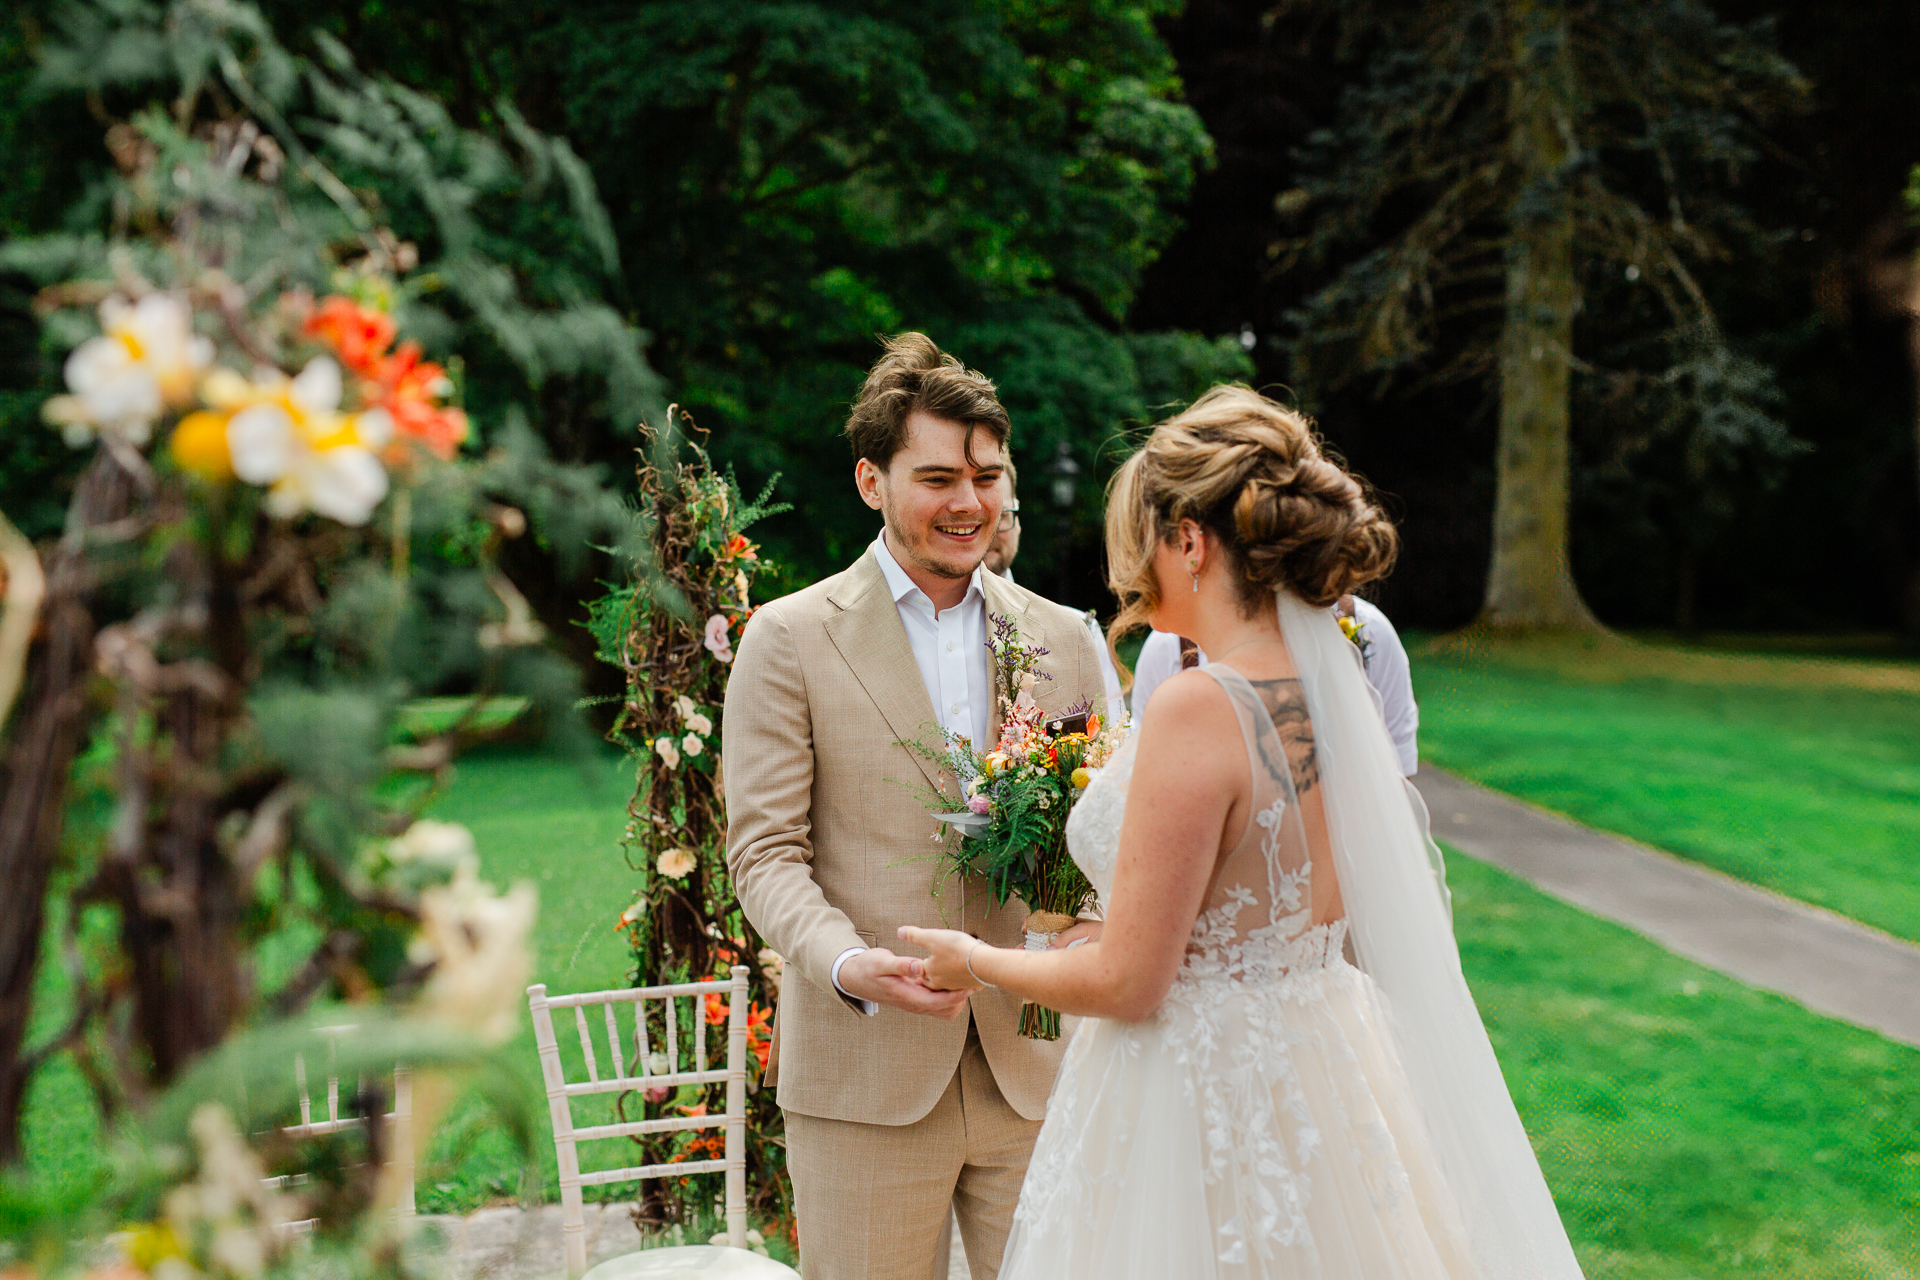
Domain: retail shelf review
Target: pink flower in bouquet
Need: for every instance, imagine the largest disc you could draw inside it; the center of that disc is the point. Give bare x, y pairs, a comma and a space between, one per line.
716, 639
980, 804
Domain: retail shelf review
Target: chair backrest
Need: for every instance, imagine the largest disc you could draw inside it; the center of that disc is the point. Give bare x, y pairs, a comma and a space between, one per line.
631, 1057
399, 1121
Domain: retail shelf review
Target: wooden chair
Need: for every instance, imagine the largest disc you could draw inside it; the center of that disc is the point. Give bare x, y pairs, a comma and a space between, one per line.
566, 1137
399, 1120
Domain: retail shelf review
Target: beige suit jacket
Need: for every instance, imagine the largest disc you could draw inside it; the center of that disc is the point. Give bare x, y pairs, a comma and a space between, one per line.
830, 842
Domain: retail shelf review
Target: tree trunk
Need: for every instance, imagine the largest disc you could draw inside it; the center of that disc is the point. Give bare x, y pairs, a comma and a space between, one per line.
33, 781
1529, 583
1910, 615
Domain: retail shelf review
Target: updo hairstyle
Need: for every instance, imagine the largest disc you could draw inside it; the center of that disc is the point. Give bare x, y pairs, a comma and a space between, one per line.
1251, 472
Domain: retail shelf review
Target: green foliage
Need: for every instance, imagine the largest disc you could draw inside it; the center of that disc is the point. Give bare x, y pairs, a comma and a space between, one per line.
788, 180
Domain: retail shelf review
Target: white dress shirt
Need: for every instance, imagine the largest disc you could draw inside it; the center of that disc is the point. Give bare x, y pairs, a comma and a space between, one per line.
1387, 671
950, 648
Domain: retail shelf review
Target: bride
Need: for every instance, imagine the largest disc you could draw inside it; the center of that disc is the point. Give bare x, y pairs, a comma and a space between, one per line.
1241, 1100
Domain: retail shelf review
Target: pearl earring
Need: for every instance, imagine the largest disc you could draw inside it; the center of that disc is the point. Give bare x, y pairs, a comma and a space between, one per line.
1194, 574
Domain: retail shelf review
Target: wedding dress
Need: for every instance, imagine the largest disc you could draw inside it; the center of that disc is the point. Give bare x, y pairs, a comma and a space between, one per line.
1264, 1121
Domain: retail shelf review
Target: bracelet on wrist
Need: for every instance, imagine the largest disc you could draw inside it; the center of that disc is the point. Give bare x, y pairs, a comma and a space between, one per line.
969, 962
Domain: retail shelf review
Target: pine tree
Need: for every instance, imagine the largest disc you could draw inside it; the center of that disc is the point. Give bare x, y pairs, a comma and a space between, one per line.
1509, 157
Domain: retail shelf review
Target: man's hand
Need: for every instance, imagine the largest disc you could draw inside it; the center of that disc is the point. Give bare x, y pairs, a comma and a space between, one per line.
1087, 929
898, 982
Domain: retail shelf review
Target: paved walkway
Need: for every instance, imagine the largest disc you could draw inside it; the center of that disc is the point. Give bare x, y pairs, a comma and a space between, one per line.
1830, 964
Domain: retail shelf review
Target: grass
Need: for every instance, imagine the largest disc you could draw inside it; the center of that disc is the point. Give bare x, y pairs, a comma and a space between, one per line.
1691, 1127
1798, 774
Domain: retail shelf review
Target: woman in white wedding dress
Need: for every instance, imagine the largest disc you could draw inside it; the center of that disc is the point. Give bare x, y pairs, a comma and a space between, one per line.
1241, 1100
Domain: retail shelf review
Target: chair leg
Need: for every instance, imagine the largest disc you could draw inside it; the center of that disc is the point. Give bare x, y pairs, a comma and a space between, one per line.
737, 1111
403, 1138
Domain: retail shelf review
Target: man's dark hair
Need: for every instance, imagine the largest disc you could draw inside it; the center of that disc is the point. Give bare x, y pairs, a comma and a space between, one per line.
915, 375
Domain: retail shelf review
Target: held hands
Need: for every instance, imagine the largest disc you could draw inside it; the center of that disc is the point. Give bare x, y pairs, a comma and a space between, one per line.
899, 982
945, 968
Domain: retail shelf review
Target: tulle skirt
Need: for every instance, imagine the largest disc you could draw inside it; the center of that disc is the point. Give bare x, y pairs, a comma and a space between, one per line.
1247, 1129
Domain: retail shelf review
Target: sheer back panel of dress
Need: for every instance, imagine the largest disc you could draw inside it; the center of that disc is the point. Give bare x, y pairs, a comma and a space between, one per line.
1275, 904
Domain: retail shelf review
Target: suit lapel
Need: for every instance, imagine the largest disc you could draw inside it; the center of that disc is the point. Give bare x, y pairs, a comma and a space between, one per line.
873, 642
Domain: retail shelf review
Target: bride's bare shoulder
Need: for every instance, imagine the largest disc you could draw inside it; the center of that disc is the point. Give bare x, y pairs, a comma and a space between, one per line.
1187, 703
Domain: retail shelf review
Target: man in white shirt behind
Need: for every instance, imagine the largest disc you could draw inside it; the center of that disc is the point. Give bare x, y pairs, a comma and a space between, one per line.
1380, 649
1000, 556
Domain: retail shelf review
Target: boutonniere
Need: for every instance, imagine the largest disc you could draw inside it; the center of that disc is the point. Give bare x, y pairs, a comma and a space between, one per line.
1356, 631
1016, 666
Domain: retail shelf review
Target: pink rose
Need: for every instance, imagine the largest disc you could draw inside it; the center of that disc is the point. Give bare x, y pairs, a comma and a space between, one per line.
979, 804
717, 643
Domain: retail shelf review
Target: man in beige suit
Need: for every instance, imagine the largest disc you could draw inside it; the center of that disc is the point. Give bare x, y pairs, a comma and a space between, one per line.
900, 1101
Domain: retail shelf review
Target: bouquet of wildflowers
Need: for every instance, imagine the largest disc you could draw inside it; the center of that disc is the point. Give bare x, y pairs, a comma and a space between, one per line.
1018, 796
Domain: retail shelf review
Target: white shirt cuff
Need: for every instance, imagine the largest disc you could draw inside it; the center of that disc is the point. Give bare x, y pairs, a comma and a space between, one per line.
868, 1007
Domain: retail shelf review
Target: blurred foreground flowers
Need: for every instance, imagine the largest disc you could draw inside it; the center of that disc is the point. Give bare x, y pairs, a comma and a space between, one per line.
285, 536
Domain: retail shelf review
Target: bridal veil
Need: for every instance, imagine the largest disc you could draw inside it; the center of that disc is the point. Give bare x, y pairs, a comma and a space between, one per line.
1401, 926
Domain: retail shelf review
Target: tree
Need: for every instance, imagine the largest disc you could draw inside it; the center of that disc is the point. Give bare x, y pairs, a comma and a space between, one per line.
1517, 157
235, 627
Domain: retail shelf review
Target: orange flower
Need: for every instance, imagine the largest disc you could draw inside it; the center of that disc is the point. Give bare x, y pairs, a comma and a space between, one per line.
716, 1010
1093, 726
739, 546
409, 388
759, 1034
359, 335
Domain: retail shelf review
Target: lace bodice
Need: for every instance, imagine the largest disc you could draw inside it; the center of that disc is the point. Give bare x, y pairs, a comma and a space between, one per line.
1262, 919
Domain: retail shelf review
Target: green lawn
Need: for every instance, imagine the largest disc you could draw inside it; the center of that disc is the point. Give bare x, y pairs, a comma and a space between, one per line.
1690, 1127
1803, 777
1697, 1131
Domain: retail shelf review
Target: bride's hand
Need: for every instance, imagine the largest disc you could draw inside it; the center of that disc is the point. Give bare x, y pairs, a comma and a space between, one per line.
946, 957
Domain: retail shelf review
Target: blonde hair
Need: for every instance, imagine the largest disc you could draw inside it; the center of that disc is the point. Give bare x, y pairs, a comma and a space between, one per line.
1252, 473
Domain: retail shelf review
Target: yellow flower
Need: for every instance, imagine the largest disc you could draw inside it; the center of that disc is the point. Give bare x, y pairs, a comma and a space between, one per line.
289, 434
199, 445
1081, 777
675, 863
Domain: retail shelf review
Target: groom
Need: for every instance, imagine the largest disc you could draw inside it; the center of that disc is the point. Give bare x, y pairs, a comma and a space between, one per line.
900, 1101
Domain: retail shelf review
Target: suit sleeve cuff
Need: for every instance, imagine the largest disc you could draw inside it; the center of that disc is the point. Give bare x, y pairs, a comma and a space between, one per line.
868, 1007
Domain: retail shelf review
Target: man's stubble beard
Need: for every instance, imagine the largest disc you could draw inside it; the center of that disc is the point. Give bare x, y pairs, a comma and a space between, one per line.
904, 548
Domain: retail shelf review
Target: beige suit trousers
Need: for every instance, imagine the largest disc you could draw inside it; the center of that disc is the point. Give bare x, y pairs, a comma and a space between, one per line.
872, 1199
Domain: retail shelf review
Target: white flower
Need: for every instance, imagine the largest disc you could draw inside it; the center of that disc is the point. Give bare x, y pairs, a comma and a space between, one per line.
242, 1221
446, 843
716, 638
692, 745
685, 706
289, 433
657, 1064
664, 748
477, 941
700, 724
773, 965
145, 360
675, 863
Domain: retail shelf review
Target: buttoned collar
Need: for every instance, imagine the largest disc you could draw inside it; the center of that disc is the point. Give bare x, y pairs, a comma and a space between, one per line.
900, 586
